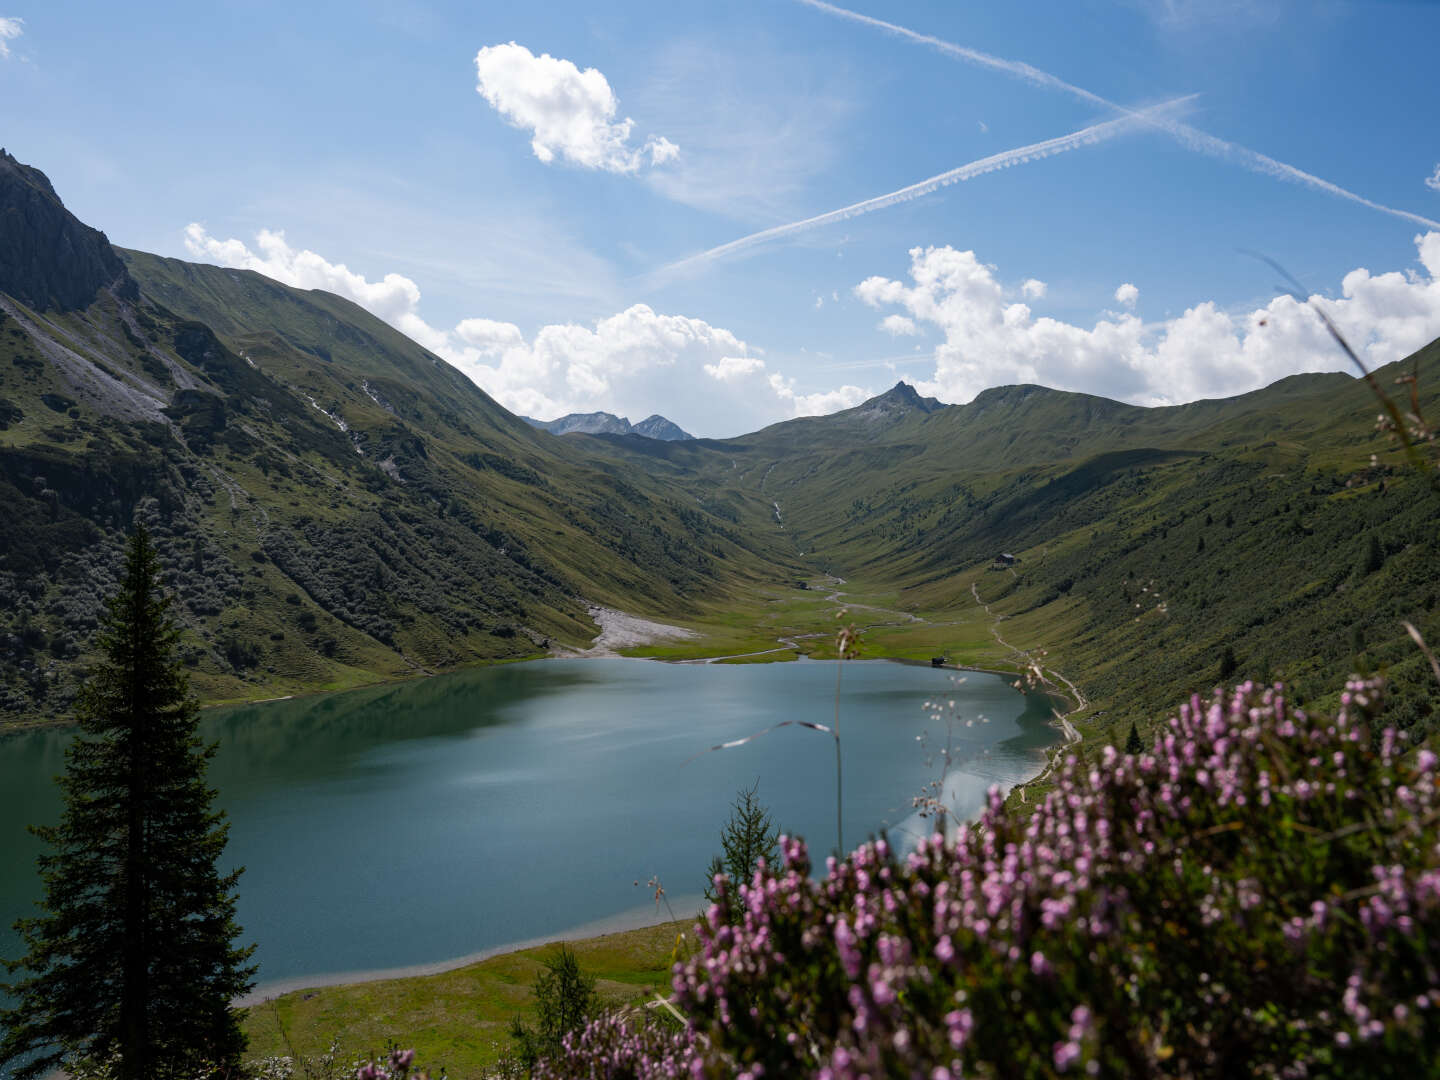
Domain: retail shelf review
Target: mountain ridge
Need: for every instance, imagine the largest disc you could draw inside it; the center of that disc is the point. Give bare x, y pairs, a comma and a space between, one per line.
654, 426
337, 505
52, 260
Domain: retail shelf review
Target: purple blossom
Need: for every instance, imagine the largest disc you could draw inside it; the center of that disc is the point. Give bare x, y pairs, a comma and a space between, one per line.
1156, 914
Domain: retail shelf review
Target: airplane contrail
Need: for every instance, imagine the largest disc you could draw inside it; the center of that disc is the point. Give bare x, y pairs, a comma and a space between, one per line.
1089, 136
1189, 137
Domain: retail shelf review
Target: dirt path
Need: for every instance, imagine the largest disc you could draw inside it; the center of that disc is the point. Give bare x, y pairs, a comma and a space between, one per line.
1027, 659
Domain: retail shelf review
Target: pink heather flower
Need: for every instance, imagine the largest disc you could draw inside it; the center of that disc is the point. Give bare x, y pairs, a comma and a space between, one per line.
882, 991
1007, 901
959, 1025
845, 945
1066, 1054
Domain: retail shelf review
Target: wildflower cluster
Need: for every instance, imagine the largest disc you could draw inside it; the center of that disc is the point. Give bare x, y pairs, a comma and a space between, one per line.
396, 1065
1257, 893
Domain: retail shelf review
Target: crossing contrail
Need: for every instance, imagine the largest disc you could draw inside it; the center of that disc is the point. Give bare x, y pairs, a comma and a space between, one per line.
1095, 133
1189, 137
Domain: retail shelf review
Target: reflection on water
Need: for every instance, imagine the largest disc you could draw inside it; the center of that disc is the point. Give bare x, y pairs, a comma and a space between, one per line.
277, 739
416, 822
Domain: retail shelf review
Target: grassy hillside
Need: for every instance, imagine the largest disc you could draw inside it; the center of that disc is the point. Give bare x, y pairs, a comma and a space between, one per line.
1156, 547
335, 505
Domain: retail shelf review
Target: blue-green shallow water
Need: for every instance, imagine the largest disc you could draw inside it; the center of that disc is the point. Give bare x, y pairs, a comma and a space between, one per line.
427, 820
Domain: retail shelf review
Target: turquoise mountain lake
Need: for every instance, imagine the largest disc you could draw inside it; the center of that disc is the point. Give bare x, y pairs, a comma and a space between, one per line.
413, 823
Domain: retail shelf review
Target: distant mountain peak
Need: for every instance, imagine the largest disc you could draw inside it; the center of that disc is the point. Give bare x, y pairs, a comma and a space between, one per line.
903, 393
604, 423
656, 426
899, 401
52, 260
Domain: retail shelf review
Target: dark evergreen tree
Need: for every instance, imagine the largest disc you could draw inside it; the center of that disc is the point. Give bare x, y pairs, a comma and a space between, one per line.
749, 836
1133, 745
133, 959
1228, 664
564, 1000
1374, 556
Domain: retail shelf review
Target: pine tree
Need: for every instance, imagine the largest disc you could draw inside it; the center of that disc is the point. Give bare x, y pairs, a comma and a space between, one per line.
133, 959
749, 836
564, 1001
1133, 745
1374, 556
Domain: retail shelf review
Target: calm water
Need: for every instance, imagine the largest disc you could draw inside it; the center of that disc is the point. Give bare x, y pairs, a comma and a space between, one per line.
414, 823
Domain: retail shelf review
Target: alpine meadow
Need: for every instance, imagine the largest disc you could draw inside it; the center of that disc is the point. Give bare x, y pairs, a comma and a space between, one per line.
1005, 643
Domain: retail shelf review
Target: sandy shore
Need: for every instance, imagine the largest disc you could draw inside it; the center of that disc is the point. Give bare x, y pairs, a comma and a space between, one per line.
635, 919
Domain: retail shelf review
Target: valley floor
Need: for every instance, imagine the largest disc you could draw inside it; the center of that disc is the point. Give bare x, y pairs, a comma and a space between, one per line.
460, 1017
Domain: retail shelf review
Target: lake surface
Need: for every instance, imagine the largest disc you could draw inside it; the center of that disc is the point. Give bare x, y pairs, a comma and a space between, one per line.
419, 822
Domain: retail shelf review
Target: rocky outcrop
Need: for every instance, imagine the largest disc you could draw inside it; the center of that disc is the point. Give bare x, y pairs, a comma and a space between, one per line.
49, 260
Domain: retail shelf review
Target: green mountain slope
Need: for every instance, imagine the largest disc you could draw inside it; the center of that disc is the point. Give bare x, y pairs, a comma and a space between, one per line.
1153, 544
336, 504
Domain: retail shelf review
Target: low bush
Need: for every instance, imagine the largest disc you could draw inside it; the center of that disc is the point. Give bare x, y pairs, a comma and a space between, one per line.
1257, 893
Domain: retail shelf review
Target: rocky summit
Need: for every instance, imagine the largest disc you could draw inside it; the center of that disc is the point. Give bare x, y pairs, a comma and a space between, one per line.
52, 262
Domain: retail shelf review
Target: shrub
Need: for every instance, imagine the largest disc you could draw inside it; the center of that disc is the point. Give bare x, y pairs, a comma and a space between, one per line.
1256, 894
564, 1002
749, 838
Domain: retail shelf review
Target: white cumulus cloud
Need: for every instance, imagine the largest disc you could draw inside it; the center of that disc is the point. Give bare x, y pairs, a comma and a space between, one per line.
10, 29
570, 113
1206, 352
1433, 180
820, 403
1127, 294
896, 325
635, 362
488, 337
1033, 289
730, 368
394, 298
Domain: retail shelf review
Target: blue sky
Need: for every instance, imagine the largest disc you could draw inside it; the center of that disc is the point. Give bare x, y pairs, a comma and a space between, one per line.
514, 185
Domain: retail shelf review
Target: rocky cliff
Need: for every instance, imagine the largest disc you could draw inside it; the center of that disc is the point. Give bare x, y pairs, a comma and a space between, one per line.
49, 260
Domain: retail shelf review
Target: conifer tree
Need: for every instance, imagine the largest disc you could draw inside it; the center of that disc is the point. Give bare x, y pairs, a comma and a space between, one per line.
564, 1001
132, 961
1133, 745
749, 836
1374, 556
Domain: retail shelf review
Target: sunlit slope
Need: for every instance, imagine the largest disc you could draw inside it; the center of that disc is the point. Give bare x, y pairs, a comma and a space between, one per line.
390, 392
334, 503
1149, 540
